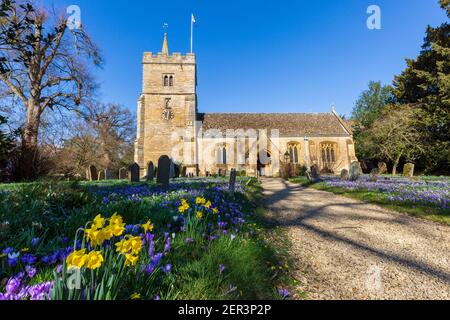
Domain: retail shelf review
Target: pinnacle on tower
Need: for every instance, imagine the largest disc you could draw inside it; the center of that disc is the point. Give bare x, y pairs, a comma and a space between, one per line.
165, 48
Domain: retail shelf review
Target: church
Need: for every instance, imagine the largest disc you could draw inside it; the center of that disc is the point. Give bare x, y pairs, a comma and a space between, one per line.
169, 123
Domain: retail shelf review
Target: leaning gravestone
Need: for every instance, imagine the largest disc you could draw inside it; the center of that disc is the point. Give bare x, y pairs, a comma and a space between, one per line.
315, 172
164, 171
232, 181
108, 174
101, 175
123, 175
345, 176
134, 170
150, 171
93, 175
408, 170
382, 168
355, 171
172, 170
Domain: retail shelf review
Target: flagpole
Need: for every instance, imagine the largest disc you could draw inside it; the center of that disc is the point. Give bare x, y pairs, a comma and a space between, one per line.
192, 33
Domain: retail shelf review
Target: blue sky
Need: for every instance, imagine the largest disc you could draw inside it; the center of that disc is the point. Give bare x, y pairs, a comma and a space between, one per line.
260, 56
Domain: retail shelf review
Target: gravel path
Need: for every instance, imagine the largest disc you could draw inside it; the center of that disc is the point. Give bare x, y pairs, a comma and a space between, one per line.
347, 249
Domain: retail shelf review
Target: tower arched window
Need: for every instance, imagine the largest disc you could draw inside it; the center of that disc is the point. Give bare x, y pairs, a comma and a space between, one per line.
166, 81
171, 81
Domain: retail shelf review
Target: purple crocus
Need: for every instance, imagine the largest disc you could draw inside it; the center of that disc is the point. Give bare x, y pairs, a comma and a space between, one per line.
31, 271
167, 245
222, 268
28, 259
35, 242
167, 268
284, 293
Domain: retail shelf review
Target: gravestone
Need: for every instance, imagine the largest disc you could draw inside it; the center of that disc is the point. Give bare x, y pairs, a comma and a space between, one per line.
374, 175
345, 176
108, 174
163, 171
408, 170
172, 170
382, 168
232, 181
220, 172
315, 175
355, 171
93, 175
150, 171
123, 174
101, 175
183, 172
134, 170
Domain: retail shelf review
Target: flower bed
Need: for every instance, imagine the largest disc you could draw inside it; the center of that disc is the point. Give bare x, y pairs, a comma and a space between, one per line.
129, 242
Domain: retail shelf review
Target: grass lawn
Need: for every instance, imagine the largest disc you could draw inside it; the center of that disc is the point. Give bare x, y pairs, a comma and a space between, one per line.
429, 212
137, 241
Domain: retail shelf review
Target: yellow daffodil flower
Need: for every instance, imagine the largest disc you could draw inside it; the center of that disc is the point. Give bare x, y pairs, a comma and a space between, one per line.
94, 260
200, 201
116, 220
208, 205
215, 210
184, 206
199, 214
25, 249
131, 260
148, 227
76, 259
98, 222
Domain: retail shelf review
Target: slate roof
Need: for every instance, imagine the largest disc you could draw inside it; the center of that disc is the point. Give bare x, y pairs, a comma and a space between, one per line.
289, 124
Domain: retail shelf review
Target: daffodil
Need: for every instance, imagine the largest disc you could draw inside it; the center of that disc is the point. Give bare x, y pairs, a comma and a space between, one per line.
94, 260
184, 206
148, 227
116, 219
77, 259
98, 222
208, 204
200, 201
131, 260
136, 245
215, 210
25, 249
199, 214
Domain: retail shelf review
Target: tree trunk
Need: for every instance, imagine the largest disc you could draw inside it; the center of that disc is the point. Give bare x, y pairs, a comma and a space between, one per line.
396, 162
29, 160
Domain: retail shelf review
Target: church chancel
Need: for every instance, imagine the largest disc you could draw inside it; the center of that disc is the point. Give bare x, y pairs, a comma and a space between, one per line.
213, 143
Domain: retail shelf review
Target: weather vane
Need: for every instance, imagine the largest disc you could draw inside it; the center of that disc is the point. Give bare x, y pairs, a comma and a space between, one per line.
165, 26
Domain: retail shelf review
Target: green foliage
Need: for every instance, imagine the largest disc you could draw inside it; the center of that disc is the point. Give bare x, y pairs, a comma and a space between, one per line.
367, 110
426, 84
371, 103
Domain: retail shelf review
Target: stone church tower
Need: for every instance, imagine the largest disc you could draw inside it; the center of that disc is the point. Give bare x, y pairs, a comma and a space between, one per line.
168, 103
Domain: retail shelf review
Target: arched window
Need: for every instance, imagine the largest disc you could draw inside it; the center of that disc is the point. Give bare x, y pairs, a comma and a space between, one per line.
329, 152
224, 153
171, 81
221, 154
294, 152
166, 81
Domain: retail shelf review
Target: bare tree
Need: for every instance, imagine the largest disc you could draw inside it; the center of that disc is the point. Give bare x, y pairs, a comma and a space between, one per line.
395, 135
45, 65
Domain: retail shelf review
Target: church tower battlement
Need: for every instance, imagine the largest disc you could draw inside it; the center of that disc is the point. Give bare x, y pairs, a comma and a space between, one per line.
168, 102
